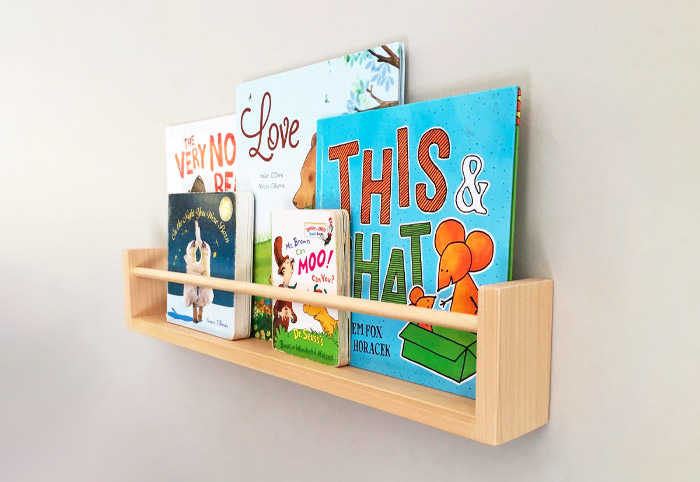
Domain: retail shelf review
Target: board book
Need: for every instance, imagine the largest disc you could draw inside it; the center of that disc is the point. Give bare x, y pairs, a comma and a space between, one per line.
210, 235
310, 252
200, 155
430, 188
276, 137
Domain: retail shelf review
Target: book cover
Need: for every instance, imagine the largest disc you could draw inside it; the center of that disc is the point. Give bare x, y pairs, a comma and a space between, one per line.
430, 188
310, 252
202, 241
200, 155
276, 136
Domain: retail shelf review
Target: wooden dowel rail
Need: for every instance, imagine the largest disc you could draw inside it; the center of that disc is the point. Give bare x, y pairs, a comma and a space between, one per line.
394, 311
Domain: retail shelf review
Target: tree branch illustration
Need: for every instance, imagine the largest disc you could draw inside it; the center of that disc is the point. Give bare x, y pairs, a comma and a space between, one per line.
382, 103
391, 58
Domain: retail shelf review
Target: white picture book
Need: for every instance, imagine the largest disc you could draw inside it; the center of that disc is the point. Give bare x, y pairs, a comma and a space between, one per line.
276, 137
200, 156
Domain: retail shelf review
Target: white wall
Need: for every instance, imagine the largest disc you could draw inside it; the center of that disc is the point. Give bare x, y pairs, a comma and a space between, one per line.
607, 207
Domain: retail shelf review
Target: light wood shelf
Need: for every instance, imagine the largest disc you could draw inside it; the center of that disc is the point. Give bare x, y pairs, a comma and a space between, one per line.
513, 353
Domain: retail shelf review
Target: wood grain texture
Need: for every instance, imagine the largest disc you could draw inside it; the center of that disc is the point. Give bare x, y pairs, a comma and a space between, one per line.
513, 359
513, 351
143, 296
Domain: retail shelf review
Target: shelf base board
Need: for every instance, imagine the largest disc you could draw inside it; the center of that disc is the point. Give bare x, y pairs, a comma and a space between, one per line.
428, 406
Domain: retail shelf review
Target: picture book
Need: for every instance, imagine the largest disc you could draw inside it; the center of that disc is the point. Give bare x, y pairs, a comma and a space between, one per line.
310, 252
276, 137
210, 235
200, 155
430, 188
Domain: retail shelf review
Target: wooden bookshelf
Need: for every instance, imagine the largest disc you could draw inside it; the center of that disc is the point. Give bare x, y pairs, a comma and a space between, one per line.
514, 326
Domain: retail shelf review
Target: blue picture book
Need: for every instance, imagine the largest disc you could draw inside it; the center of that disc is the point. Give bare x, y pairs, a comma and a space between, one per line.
430, 188
210, 235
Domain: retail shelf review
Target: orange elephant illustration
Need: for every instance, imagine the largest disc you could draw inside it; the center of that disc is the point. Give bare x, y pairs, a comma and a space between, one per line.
418, 297
461, 255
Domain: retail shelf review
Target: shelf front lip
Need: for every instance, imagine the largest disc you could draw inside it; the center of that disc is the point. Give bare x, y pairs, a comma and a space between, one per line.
414, 314
441, 410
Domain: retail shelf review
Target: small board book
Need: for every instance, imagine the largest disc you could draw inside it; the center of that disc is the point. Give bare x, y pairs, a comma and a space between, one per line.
200, 155
430, 188
276, 137
210, 235
310, 252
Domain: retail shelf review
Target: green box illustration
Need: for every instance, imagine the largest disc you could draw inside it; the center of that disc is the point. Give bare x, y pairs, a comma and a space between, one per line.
450, 353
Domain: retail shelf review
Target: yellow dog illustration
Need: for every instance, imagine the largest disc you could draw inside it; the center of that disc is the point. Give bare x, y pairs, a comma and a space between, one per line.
320, 314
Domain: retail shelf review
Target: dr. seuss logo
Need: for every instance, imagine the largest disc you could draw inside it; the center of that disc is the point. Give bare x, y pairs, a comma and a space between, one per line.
315, 230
